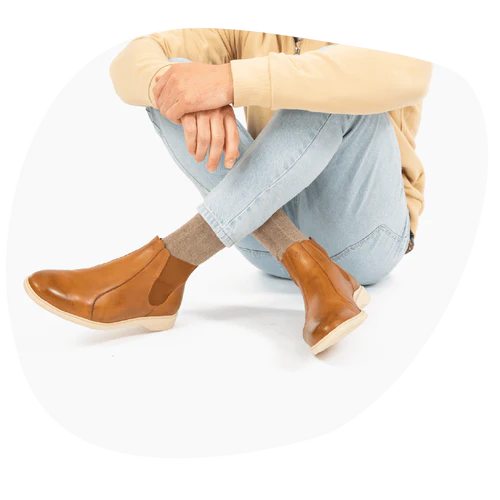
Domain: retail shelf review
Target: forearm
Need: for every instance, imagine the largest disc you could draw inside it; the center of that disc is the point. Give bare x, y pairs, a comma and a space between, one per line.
134, 70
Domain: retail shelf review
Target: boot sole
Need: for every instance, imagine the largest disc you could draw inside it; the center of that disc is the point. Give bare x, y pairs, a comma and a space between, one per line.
162, 323
153, 323
362, 299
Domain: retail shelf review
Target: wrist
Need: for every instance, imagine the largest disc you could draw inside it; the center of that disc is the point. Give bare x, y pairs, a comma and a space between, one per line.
228, 82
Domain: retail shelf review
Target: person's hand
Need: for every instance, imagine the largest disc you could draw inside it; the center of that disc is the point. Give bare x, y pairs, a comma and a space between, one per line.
215, 128
190, 87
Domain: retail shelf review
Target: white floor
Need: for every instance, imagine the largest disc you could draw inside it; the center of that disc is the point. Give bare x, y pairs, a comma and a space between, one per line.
234, 375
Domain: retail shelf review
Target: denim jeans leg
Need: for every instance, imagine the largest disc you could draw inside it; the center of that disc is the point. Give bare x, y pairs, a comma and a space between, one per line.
172, 136
291, 151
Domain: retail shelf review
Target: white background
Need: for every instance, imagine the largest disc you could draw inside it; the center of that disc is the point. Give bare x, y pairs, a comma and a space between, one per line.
233, 382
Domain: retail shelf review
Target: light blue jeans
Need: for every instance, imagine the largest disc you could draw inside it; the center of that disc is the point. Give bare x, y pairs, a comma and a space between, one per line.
338, 178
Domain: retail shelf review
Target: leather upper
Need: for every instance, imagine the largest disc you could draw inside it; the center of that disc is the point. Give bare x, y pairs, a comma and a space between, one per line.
119, 289
326, 288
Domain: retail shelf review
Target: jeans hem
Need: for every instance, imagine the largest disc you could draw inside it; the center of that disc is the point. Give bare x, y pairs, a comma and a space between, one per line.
215, 225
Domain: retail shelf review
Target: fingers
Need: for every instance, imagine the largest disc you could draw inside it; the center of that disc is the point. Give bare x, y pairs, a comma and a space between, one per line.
190, 132
216, 141
232, 139
203, 135
174, 108
212, 132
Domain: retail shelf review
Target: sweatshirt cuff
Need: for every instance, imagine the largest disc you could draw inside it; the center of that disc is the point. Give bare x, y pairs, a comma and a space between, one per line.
152, 83
252, 82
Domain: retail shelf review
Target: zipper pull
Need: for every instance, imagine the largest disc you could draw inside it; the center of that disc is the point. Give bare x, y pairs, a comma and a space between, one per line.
297, 46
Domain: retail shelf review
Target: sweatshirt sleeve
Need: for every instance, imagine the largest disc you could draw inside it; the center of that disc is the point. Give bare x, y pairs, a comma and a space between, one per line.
134, 69
341, 79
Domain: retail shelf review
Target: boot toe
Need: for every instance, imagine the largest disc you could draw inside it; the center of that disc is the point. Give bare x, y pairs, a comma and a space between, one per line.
54, 288
42, 283
315, 332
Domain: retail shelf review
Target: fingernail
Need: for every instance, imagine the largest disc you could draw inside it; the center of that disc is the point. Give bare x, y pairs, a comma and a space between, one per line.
229, 163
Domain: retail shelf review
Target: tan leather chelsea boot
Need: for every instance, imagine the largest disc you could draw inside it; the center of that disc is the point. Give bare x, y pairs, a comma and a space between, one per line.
143, 288
333, 299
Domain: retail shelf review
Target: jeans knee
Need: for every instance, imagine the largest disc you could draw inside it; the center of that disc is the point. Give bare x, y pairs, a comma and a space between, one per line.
378, 131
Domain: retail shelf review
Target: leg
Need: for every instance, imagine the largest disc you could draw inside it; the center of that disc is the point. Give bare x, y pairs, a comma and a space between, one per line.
356, 207
291, 140
333, 299
354, 204
284, 232
292, 150
339, 179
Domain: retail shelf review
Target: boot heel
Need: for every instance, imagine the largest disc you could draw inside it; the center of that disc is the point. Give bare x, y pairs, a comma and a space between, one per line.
159, 323
361, 297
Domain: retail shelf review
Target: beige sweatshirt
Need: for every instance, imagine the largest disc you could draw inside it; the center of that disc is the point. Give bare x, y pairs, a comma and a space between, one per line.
269, 74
